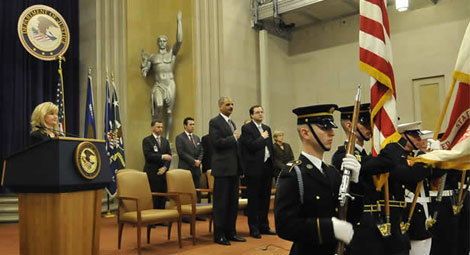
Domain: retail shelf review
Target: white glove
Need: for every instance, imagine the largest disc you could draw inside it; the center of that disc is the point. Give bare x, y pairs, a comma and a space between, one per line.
434, 145
343, 230
350, 162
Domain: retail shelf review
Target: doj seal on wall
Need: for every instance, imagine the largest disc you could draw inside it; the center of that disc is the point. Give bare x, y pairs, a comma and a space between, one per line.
88, 160
43, 32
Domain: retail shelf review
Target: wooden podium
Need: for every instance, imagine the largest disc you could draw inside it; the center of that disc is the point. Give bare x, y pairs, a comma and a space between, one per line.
59, 208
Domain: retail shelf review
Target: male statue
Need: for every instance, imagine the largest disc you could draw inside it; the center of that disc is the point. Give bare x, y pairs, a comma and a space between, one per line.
163, 64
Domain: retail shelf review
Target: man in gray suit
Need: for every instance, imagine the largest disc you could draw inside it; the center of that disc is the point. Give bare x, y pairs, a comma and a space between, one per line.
189, 149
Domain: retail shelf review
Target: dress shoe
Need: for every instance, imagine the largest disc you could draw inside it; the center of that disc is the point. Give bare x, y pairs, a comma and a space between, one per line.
186, 220
236, 238
255, 234
200, 218
222, 241
268, 232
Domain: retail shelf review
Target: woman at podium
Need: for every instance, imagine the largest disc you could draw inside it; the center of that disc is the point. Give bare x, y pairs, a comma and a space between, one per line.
44, 122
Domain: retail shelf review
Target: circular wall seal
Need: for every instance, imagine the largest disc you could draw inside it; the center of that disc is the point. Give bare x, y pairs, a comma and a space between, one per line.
88, 160
43, 32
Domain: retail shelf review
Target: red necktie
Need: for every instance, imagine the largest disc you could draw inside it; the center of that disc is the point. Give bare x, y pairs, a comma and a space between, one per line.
191, 138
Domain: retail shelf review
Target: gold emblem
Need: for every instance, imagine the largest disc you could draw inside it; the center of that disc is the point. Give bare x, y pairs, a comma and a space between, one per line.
332, 109
43, 32
88, 160
309, 166
358, 157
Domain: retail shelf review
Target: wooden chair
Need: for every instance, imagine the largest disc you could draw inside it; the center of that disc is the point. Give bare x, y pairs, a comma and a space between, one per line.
136, 206
180, 181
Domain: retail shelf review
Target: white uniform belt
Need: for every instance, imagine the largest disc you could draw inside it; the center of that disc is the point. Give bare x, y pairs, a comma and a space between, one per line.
421, 200
445, 193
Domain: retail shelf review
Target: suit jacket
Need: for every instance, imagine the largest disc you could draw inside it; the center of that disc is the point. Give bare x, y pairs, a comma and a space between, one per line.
253, 149
281, 157
38, 136
188, 152
225, 156
207, 153
309, 224
153, 155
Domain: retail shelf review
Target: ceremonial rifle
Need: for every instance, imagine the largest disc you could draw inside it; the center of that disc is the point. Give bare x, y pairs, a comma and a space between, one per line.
343, 195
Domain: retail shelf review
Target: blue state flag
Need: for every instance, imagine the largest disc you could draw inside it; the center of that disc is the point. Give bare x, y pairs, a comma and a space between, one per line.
109, 140
119, 159
90, 126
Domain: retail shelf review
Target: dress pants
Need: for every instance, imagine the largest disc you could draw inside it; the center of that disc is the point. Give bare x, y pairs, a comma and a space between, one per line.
158, 185
225, 205
197, 186
259, 198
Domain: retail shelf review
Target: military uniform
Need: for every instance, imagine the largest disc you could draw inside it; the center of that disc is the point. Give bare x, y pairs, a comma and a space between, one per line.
368, 239
307, 224
307, 193
354, 211
451, 232
355, 189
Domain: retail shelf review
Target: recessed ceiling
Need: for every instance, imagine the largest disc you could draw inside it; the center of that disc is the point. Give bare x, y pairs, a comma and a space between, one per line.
310, 12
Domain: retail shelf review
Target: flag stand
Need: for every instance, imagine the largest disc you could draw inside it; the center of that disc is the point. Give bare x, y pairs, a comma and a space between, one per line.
108, 213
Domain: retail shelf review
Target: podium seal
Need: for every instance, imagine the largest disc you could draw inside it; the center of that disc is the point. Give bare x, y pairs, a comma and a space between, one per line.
88, 160
43, 32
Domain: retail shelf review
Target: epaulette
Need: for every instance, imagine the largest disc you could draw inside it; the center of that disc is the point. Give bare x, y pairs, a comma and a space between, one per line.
293, 163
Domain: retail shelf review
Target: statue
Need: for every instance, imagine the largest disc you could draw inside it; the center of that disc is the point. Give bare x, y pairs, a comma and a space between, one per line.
163, 64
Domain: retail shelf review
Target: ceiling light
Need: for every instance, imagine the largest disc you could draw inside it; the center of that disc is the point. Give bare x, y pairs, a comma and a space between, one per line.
401, 5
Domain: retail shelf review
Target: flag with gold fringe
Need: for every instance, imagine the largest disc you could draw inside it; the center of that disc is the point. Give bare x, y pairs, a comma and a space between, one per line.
456, 140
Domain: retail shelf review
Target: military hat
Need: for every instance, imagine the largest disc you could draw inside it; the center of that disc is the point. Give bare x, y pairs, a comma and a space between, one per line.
322, 115
411, 128
364, 113
427, 134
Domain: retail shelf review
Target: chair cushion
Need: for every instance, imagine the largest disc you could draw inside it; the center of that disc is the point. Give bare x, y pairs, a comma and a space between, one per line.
200, 209
152, 215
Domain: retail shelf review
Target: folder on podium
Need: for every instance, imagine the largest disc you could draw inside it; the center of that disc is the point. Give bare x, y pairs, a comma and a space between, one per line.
59, 186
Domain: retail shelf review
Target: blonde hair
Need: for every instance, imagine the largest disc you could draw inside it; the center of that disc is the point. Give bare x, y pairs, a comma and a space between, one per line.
277, 133
37, 118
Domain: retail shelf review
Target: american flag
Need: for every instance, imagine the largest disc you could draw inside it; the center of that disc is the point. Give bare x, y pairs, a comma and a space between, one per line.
60, 101
375, 55
376, 60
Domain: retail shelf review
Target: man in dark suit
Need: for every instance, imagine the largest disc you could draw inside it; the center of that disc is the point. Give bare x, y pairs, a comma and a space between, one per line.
207, 153
257, 151
189, 149
226, 171
306, 201
157, 153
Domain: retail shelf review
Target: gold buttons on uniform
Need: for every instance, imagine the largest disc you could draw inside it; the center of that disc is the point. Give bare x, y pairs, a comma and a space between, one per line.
309, 166
317, 197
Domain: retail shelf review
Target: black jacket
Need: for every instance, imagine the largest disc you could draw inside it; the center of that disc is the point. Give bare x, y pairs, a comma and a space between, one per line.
253, 149
153, 156
309, 224
225, 156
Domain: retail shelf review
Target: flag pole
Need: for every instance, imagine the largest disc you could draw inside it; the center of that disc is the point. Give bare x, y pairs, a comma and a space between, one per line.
108, 213
444, 109
62, 58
